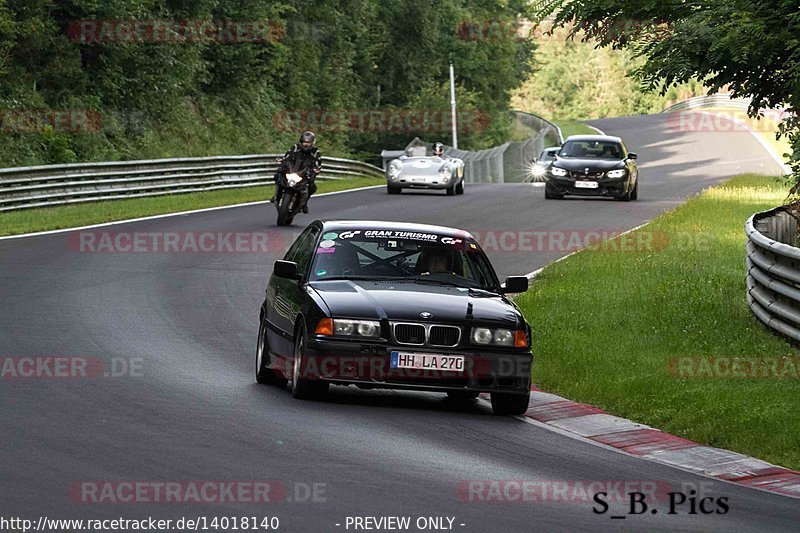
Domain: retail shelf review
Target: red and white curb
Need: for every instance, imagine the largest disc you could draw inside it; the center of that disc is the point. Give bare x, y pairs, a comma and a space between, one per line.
584, 421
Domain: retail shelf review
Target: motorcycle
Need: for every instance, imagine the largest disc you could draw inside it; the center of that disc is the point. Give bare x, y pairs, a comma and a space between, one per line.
295, 185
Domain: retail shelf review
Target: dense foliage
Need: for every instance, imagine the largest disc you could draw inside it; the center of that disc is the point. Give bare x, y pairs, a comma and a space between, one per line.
157, 92
750, 47
574, 80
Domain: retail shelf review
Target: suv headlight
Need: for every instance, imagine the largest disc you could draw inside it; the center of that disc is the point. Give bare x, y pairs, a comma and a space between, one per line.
558, 171
499, 337
616, 173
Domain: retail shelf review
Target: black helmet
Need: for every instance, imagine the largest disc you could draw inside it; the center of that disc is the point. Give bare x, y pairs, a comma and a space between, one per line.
307, 137
438, 149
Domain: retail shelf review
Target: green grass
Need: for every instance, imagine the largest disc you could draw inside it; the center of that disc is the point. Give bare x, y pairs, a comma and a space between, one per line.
573, 127
49, 218
607, 324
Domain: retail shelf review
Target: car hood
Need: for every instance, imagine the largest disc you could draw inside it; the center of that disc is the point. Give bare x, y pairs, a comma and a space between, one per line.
404, 301
594, 165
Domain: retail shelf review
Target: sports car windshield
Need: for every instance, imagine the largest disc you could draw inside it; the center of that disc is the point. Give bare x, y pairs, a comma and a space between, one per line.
401, 255
591, 149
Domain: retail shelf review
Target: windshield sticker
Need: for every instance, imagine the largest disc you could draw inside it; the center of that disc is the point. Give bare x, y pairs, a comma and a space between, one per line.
330, 235
321, 272
393, 236
327, 244
349, 234
326, 250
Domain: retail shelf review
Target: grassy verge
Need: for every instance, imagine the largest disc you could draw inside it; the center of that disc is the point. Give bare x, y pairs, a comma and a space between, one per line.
609, 326
30, 220
573, 127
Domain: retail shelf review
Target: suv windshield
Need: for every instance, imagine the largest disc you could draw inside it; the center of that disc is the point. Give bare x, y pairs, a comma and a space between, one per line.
402, 255
591, 149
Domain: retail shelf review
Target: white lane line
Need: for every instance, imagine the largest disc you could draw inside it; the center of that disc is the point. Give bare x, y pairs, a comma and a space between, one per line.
598, 130
165, 215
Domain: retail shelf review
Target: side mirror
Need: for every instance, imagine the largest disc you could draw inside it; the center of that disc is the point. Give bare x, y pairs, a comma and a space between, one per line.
632, 155
286, 269
514, 284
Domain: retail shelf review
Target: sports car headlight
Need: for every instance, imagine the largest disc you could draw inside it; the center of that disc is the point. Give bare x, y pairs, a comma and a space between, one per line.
500, 337
356, 328
616, 173
537, 171
395, 167
558, 171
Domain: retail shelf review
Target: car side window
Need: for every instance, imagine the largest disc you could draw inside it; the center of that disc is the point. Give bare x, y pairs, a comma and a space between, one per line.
305, 251
292, 252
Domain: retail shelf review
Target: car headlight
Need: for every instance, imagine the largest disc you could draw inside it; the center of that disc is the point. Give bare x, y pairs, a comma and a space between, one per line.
537, 171
500, 337
558, 171
356, 328
616, 173
395, 167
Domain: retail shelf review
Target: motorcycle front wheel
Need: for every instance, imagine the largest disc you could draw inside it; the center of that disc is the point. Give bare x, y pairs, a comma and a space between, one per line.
285, 215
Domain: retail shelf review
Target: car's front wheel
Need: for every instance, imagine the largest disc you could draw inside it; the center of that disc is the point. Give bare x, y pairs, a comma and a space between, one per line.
302, 387
551, 194
393, 190
460, 187
504, 403
635, 191
451, 190
264, 374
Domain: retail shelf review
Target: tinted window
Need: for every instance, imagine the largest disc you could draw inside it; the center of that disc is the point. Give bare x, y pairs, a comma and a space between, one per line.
388, 255
305, 251
589, 149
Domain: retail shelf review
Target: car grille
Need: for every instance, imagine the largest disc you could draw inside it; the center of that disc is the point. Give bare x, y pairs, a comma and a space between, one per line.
410, 334
432, 335
444, 335
585, 176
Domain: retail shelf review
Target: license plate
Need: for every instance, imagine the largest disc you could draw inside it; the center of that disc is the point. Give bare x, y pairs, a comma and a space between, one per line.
586, 184
422, 361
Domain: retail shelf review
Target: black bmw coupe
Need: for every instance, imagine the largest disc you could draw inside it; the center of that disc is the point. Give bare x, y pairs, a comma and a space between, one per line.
593, 165
393, 305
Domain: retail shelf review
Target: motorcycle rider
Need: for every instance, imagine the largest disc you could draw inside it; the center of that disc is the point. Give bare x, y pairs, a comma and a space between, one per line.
301, 156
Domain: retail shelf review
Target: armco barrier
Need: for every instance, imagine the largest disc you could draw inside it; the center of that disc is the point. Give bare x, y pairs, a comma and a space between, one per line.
714, 100
40, 186
773, 271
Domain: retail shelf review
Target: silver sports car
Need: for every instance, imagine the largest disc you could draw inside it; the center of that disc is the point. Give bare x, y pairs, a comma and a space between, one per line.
417, 170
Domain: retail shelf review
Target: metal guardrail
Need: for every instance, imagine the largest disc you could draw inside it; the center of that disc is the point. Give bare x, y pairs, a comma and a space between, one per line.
40, 186
714, 100
773, 271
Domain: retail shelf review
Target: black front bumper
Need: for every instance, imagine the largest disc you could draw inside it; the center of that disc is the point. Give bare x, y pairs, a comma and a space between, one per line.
368, 365
605, 186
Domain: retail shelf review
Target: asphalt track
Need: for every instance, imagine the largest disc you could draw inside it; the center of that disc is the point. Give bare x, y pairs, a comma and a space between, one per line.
193, 411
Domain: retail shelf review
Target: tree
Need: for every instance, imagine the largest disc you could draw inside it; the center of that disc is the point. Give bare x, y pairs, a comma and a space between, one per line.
750, 47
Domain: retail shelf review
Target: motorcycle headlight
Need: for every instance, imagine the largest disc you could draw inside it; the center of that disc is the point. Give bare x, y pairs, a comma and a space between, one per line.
293, 179
616, 173
558, 171
356, 328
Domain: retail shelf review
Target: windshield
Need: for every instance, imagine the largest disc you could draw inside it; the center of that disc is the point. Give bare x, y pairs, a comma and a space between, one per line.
591, 149
402, 255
